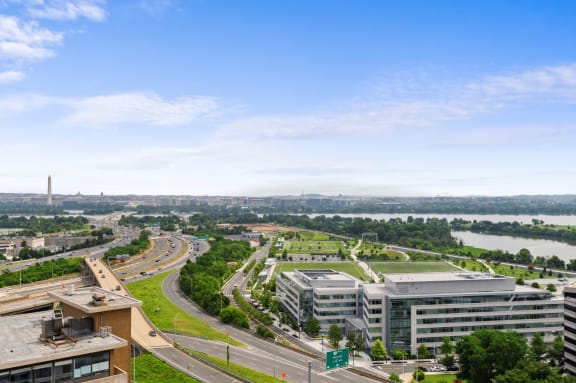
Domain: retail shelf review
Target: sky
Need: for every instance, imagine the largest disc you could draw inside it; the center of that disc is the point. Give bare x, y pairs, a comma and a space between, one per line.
284, 97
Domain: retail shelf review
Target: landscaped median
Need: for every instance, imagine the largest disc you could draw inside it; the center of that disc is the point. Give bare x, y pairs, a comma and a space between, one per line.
166, 315
150, 369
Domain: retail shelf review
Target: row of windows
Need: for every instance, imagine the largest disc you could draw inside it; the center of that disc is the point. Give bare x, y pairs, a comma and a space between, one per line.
335, 304
402, 303
502, 326
489, 318
68, 370
336, 296
457, 310
332, 313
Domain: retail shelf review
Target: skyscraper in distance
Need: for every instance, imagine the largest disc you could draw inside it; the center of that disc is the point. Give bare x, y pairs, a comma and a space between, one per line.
49, 199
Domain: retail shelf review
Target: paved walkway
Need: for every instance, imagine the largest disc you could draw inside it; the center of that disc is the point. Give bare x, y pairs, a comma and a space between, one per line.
363, 264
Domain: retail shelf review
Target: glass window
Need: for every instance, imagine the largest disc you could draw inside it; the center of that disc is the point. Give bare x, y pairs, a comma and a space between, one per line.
100, 362
21, 375
63, 371
5, 377
43, 373
82, 366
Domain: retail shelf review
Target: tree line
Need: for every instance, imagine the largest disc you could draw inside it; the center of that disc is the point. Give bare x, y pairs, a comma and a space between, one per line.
32, 225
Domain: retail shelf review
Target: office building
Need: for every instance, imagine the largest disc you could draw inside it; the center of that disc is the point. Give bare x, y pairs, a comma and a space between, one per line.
86, 339
570, 329
408, 310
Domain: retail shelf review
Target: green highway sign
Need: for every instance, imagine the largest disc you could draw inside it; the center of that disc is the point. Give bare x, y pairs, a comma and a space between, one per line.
337, 358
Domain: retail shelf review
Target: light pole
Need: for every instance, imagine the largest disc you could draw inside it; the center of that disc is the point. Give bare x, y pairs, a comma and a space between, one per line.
175, 316
274, 357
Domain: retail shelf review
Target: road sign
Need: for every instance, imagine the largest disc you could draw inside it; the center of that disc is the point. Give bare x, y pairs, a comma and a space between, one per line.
337, 358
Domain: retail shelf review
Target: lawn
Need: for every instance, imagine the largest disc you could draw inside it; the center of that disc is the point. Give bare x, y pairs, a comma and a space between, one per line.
247, 373
411, 267
150, 369
442, 378
520, 272
165, 314
314, 247
347, 267
311, 236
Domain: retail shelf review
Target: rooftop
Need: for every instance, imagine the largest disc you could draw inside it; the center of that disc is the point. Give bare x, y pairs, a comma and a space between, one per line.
441, 277
22, 344
94, 299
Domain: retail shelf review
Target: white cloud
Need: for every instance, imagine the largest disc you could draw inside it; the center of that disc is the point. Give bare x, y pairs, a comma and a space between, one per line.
25, 40
11, 76
554, 84
137, 108
65, 9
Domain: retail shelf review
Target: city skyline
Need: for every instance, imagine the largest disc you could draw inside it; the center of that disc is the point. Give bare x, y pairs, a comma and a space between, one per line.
282, 98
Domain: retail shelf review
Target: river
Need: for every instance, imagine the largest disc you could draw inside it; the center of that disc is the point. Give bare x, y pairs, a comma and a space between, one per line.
537, 247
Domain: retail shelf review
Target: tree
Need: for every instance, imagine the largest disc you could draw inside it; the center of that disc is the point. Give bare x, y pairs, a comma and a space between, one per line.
355, 342
485, 354
335, 335
395, 378
312, 326
419, 375
399, 354
537, 346
556, 351
378, 352
551, 288
446, 349
235, 316
423, 351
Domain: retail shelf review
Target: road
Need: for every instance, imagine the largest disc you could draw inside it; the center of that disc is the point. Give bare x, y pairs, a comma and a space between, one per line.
262, 355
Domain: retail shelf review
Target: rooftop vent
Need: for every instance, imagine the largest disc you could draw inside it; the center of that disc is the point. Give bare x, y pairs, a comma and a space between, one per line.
99, 300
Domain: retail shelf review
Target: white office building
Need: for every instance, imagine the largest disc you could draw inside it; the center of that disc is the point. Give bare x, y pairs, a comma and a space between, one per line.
570, 329
408, 310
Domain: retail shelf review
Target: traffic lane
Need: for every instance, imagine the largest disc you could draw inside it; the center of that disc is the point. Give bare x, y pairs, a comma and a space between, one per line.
194, 367
270, 363
172, 292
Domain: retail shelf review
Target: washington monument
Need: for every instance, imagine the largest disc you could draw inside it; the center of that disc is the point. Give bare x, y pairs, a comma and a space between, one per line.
49, 199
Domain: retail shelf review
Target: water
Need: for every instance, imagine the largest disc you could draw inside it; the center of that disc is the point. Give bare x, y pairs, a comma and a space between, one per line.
537, 247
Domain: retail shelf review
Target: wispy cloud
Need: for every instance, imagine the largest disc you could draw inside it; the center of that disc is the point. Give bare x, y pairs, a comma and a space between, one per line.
64, 9
106, 110
138, 108
554, 84
156, 7
11, 76
23, 39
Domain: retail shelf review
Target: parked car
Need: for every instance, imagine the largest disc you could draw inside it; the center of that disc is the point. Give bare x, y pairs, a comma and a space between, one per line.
453, 367
152, 333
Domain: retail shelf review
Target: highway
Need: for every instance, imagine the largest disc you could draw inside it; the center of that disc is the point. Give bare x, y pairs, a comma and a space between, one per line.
260, 353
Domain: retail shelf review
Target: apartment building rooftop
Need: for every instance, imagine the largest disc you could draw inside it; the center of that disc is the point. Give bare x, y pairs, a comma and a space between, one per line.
94, 299
27, 339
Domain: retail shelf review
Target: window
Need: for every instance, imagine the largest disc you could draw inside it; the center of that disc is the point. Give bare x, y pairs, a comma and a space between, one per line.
21, 375
82, 366
43, 373
63, 371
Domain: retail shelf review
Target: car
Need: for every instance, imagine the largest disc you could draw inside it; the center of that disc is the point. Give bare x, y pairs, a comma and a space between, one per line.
152, 333
118, 288
103, 275
453, 367
100, 271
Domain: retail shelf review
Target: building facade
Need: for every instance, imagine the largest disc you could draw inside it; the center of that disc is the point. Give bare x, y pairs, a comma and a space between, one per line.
570, 329
86, 339
408, 310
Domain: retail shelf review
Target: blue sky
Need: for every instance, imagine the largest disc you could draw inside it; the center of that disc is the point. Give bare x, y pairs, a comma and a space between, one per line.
239, 97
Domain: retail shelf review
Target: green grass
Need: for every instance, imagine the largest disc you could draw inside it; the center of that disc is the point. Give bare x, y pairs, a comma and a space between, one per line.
518, 272
442, 378
471, 265
411, 267
247, 373
311, 236
347, 267
150, 369
314, 247
165, 314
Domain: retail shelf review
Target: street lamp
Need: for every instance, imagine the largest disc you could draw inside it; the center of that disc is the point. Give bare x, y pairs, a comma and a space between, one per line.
175, 316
